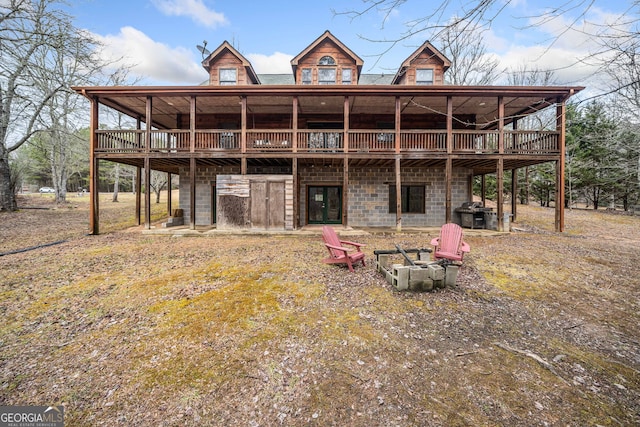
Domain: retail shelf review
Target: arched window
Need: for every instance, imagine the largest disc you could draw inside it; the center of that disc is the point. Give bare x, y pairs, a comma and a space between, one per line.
327, 60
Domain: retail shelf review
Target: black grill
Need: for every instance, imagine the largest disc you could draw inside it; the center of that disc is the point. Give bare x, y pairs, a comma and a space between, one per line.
472, 214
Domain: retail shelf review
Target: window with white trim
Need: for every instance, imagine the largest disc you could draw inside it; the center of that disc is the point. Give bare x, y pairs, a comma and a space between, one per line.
306, 76
326, 76
346, 76
424, 76
228, 76
327, 60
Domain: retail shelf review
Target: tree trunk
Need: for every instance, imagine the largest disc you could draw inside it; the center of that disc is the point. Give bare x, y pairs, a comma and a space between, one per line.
7, 196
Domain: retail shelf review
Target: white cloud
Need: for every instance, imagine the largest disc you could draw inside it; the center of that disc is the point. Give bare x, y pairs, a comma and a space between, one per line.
156, 62
194, 9
568, 46
277, 63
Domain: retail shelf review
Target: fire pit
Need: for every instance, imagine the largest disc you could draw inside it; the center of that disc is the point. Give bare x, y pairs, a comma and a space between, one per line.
472, 214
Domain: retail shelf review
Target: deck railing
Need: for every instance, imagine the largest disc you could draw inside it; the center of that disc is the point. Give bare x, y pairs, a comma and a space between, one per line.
327, 141
217, 140
531, 142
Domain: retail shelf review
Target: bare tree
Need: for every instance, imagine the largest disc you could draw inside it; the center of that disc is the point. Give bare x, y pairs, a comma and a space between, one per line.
119, 77
470, 63
609, 40
68, 62
158, 183
28, 30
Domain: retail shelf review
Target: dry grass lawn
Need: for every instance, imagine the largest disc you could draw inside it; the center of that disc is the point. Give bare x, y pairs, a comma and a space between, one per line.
252, 330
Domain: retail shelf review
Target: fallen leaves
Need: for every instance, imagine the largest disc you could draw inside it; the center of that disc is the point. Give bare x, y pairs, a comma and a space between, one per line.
128, 329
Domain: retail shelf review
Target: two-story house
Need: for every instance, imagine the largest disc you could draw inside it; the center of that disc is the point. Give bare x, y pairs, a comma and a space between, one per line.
326, 144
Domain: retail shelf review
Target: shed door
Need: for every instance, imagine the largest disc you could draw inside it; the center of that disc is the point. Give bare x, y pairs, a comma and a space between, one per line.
267, 204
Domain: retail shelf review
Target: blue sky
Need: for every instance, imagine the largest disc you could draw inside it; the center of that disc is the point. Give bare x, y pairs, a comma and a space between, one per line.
160, 36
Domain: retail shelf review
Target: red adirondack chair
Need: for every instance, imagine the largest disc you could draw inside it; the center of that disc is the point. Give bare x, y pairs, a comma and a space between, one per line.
338, 254
450, 244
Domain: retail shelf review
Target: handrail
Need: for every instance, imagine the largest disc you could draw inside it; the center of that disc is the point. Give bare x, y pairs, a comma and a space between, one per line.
328, 141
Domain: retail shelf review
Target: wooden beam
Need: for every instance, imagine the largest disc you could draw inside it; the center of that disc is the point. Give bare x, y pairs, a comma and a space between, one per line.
243, 125
138, 192
94, 172
397, 121
345, 192
296, 192
449, 124
514, 180
448, 178
192, 193
138, 183
147, 193
499, 191
398, 195
345, 122
148, 121
514, 194
500, 125
169, 193
192, 124
294, 125
561, 128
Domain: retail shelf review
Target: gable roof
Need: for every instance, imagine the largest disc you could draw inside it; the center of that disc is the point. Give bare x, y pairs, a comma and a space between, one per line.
425, 46
206, 63
327, 36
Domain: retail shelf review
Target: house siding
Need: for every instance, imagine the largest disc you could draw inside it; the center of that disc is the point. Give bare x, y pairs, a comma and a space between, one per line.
326, 48
228, 60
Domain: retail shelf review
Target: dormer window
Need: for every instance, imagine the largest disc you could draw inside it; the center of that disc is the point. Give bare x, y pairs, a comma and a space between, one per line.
346, 76
228, 76
424, 76
326, 71
327, 60
306, 76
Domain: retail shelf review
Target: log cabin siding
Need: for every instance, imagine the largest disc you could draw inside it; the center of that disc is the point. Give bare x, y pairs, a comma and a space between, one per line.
227, 59
326, 48
426, 59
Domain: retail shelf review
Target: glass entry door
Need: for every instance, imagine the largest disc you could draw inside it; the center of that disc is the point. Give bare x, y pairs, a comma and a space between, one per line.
325, 205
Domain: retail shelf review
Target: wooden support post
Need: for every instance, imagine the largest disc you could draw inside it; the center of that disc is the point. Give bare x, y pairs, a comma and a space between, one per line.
345, 193
148, 124
448, 183
514, 193
294, 126
398, 121
138, 183
243, 124
499, 191
296, 193
169, 194
561, 128
501, 125
138, 190
147, 192
94, 172
192, 125
398, 195
449, 125
514, 179
345, 121
192, 193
